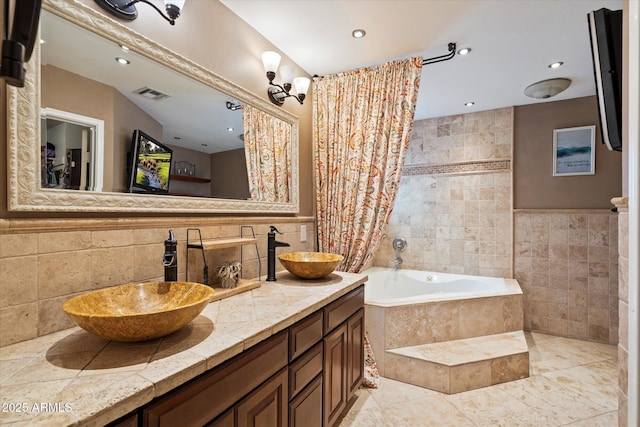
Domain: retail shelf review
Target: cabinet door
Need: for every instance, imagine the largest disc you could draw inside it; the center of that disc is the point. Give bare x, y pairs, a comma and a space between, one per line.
355, 349
267, 405
306, 409
335, 374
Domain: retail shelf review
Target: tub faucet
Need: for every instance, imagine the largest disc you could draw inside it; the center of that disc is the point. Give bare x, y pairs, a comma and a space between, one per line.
170, 259
399, 245
272, 244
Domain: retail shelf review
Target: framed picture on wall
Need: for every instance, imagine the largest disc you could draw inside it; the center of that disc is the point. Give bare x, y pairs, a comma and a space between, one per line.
574, 151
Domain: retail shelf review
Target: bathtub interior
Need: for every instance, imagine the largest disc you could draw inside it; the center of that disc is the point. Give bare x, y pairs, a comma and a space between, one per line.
388, 286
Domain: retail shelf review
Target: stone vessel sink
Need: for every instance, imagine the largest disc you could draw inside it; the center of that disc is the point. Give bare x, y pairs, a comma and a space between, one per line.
138, 311
310, 265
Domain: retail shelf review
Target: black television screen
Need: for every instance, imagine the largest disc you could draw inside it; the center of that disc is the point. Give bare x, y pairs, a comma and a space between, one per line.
151, 164
605, 30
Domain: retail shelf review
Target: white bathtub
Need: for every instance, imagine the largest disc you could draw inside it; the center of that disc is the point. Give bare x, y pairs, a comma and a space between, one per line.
405, 308
389, 286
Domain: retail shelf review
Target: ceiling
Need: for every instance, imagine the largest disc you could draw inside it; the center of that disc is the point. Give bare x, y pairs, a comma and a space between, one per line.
512, 43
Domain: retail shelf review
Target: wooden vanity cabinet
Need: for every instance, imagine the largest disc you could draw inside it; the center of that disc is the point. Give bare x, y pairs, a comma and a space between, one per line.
343, 353
212, 393
301, 377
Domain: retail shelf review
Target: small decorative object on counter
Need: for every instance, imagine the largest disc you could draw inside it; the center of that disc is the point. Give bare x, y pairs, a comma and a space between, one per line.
229, 274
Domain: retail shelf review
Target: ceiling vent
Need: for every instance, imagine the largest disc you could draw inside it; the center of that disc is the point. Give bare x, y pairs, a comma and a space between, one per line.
149, 93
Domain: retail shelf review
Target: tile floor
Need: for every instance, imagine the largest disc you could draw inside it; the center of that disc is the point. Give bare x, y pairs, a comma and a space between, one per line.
571, 383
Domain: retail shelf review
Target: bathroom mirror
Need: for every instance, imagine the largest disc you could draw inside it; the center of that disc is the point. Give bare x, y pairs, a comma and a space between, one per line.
201, 87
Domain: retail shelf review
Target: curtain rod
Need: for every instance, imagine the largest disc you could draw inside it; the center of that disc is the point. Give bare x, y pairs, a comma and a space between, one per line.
448, 56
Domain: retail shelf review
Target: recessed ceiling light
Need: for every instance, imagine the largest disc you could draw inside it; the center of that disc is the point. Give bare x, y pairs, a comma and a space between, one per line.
124, 48
230, 129
469, 104
123, 61
177, 137
358, 34
556, 64
464, 51
205, 145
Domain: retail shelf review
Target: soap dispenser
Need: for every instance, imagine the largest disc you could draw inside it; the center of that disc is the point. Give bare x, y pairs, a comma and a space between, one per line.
170, 259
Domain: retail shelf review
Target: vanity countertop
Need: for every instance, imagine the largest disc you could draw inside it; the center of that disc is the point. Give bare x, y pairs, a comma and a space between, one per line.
74, 378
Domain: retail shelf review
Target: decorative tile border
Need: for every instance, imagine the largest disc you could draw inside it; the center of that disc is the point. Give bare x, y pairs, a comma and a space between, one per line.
458, 168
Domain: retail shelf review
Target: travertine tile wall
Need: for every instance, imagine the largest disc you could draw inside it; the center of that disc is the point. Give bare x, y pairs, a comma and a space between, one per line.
567, 265
623, 310
41, 270
454, 202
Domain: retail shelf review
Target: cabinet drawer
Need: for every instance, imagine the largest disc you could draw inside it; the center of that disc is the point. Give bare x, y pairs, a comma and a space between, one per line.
304, 370
341, 309
304, 334
306, 409
211, 394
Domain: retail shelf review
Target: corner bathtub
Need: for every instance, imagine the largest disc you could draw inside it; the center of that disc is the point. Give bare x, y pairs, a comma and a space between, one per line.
405, 308
388, 286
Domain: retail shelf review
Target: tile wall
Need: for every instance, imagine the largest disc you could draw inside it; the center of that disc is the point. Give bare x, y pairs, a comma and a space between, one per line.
454, 201
454, 207
567, 265
41, 270
623, 310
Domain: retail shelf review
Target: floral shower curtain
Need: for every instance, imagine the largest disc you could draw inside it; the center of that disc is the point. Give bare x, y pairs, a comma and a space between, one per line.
266, 144
361, 128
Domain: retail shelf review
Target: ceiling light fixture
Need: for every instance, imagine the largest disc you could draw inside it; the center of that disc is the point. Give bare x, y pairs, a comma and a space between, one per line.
277, 94
123, 61
126, 9
358, 34
464, 51
556, 64
547, 88
469, 104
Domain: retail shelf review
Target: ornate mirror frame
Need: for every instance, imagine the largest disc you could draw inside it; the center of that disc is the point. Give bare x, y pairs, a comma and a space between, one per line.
23, 134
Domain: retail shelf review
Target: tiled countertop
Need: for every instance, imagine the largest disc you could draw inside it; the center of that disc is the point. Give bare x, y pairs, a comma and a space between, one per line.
74, 378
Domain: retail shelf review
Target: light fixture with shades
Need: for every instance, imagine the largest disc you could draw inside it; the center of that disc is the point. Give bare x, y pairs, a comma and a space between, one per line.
547, 88
277, 93
126, 9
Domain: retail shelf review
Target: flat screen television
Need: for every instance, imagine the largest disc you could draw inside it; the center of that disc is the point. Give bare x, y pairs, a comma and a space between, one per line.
605, 30
150, 165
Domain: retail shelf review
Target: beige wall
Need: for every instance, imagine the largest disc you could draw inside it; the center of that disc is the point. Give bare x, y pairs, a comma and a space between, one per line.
229, 173
203, 170
535, 187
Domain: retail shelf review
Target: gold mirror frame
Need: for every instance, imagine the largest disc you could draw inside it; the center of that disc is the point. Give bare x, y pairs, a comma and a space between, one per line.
23, 134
